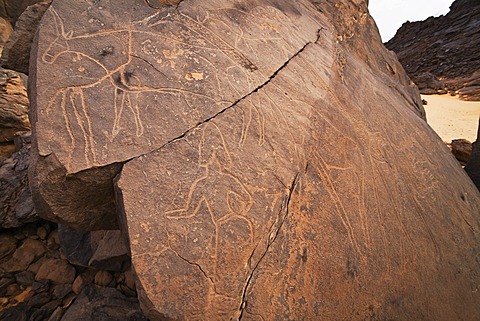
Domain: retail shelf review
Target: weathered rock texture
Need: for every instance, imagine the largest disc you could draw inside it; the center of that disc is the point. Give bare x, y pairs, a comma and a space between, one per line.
16, 51
441, 54
275, 160
473, 165
13, 105
16, 205
12, 9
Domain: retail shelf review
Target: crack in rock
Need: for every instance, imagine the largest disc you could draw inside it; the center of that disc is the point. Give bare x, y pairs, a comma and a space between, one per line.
272, 236
235, 103
193, 263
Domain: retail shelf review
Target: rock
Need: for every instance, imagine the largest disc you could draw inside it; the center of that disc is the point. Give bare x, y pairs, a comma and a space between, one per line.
8, 245
5, 31
57, 314
96, 303
130, 280
42, 232
5, 282
15, 197
16, 52
98, 249
82, 280
12, 9
25, 278
30, 251
41, 286
13, 105
473, 166
103, 278
56, 270
443, 48
20, 312
61, 290
39, 299
462, 150
263, 140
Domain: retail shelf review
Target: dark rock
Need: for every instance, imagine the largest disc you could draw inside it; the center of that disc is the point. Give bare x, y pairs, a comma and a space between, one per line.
57, 314
462, 150
30, 251
39, 299
56, 270
16, 52
13, 290
61, 290
41, 286
98, 249
103, 304
12, 9
25, 278
473, 165
20, 312
103, 278
6, 30
82, 280
75, 245
443, 48
15, 197
5, 282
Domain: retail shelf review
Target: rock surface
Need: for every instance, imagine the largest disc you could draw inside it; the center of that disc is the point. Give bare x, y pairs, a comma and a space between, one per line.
441, 54
473, 165
16, 52
13, 105
462, 150
15, 198
271, 161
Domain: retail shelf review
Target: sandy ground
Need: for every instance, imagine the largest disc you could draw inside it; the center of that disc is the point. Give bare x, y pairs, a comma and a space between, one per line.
451, 117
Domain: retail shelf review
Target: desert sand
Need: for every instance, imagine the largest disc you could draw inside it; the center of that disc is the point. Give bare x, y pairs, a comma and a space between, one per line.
451, 117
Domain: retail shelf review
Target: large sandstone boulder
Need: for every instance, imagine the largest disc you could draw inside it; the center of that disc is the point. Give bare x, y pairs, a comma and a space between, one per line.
271, 160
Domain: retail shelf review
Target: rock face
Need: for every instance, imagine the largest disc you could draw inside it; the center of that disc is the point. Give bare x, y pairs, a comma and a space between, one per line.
271, 160
16, 51
15, 198
441, 54
473, 165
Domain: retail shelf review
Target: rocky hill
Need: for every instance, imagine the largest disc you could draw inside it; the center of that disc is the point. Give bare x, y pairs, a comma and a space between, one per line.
442, 54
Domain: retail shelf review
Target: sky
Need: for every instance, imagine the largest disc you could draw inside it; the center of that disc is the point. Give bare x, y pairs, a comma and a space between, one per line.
391, 14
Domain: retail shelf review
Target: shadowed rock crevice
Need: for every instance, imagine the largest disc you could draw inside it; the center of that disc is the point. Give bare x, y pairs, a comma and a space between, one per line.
271, 237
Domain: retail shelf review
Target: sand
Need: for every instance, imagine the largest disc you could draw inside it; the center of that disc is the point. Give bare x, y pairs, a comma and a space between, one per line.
452, 118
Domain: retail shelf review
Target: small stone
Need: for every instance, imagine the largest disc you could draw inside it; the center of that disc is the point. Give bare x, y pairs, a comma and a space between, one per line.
53, 241
13, 289
8, 245
82, 280
30, 251
35, 266
57, 270
4, 283
130, 279
25, 278
61, 290
19, 236
41, 286
42, 232
127, 291
57, 314
39, 299
103, 278
462, 150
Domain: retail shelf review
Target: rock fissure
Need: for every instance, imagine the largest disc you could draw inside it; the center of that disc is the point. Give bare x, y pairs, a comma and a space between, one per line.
235, 103
194, 264
272, 236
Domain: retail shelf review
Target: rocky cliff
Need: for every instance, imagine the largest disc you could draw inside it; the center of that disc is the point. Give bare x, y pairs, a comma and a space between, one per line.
441, 54
267, 160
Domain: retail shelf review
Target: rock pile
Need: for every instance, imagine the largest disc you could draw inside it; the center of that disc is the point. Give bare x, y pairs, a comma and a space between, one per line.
441, 54
38, 283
